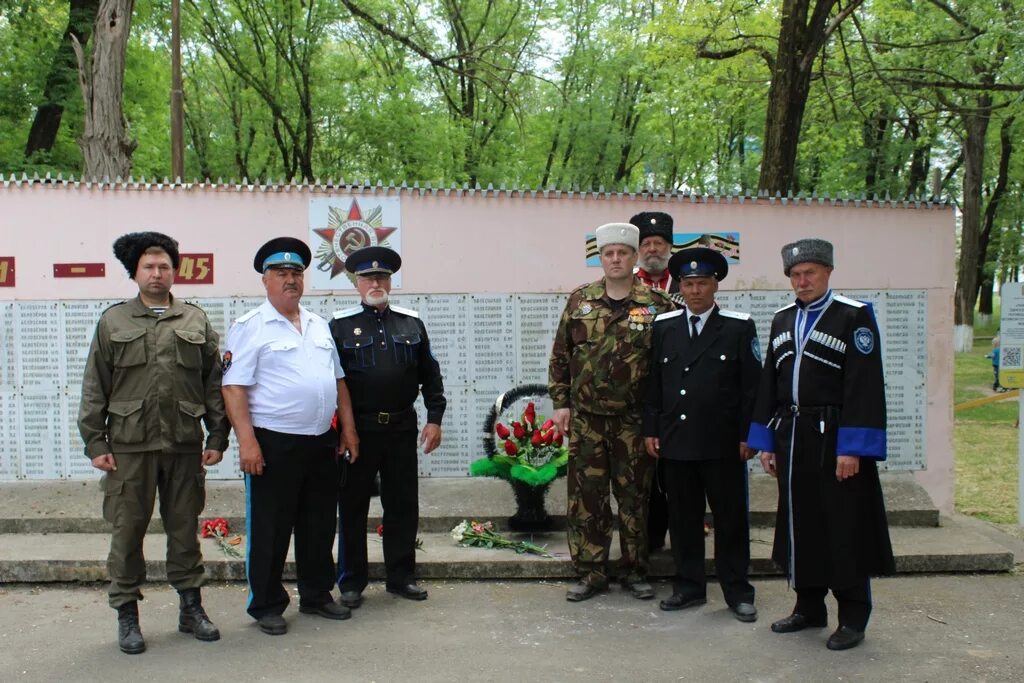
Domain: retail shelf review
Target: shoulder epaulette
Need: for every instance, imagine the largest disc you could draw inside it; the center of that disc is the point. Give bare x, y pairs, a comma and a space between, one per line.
734, 314
405, 311
347, 312
848, 301
787, 306
247, 316
119, 303
669, 315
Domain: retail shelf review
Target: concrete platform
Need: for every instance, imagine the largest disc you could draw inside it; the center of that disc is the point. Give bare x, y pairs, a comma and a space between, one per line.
74, 507
53, 531
958, 545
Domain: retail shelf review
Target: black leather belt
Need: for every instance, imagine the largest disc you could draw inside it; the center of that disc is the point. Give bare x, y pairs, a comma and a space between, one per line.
383, 421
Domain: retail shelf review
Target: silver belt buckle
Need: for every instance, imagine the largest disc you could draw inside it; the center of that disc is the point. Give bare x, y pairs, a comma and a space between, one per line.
383, 418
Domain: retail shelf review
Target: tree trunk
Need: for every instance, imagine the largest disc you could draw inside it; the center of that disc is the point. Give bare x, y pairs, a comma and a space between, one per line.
106, 148
787, 98
60, 82
991, 211
975, 126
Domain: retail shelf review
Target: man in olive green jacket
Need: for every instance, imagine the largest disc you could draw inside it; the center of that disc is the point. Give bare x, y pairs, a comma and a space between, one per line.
152, 375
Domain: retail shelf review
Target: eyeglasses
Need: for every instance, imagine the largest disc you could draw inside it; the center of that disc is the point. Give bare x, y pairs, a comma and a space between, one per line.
376, 277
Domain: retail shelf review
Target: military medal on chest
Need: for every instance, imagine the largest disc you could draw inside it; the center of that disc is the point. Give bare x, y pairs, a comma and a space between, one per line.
641, 316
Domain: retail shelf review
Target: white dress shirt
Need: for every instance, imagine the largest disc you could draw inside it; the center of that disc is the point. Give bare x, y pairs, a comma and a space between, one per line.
291, 375
703, 318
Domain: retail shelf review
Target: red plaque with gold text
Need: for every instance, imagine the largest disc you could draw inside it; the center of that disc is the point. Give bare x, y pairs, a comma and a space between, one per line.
195, 269
79, 269
6, 271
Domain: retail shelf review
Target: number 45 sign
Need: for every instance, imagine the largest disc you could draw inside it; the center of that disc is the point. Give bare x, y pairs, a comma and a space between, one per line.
195, 269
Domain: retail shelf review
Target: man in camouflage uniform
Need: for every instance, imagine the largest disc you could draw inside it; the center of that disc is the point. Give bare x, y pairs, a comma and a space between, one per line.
599, 361
152, 377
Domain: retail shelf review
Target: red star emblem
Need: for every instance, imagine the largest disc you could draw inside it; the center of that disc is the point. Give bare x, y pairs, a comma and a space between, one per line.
345, 234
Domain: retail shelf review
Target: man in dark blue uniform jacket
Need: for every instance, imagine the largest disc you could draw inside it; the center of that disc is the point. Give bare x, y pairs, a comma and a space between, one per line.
386, 355
819, 423
704, 369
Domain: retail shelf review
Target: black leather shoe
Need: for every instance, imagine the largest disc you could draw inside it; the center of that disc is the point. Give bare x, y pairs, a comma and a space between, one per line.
678, 601
327, 610
192, 617
409, 591
582, 591
129, 635
844, 638
351, 599
798, 622
273, 624
744, 611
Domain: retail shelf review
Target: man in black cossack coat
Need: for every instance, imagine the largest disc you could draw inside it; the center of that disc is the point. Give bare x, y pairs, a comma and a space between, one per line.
387, 360
704, 368
819, 423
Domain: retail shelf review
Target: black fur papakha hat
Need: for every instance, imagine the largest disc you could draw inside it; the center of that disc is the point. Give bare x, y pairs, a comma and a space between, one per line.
129, 249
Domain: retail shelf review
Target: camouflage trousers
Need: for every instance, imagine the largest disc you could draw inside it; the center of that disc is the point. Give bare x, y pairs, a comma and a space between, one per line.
607, 450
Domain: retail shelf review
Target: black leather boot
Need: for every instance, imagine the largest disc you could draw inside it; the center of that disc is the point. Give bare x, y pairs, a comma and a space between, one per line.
129, 635
192, 617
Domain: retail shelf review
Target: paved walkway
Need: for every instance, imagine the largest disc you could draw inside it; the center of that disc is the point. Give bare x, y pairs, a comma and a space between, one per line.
925, 628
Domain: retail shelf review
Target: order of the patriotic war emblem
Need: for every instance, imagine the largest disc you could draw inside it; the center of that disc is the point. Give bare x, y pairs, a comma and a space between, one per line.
345, 233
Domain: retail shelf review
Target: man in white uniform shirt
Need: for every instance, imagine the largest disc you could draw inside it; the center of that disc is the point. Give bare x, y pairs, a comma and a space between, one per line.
282, 385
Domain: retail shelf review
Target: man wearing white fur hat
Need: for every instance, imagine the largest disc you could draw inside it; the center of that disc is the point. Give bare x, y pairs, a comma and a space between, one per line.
599, 362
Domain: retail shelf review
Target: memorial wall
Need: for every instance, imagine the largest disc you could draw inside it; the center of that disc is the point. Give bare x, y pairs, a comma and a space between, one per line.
488, 272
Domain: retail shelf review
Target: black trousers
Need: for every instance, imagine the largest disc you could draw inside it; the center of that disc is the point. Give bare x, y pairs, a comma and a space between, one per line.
854, 603
723, 483
393, 454
296, 492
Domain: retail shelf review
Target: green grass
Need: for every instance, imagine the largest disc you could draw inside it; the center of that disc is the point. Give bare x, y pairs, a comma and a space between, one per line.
985, 440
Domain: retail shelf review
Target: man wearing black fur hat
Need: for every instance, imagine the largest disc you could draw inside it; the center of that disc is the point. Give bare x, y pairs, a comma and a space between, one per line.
819, 423
152, 377
704, 371
655, 251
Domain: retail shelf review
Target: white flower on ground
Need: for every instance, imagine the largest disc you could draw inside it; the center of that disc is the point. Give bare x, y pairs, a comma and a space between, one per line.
459, 531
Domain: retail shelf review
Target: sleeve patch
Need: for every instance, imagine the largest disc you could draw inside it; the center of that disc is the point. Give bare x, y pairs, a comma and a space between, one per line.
864, 339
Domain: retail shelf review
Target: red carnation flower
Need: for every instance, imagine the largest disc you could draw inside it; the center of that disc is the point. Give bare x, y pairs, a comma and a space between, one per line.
502, 430
511, 448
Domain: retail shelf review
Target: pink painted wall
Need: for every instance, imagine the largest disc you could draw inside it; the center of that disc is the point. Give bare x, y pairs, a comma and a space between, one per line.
491, 242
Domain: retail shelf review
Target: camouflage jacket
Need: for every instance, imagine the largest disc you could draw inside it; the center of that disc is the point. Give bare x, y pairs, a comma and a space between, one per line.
601, 355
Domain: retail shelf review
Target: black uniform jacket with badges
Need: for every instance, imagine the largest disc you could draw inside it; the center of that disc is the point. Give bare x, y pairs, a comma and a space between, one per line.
386, 357
700, 393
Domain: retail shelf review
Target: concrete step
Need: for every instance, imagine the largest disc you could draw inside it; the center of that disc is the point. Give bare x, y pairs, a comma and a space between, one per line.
74, 507
958, 545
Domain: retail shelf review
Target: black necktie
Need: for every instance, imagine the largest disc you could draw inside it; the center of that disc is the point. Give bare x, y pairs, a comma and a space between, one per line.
694, 319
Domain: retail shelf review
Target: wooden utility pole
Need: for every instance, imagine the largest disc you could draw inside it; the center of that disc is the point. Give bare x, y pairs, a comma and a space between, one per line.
177, 133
